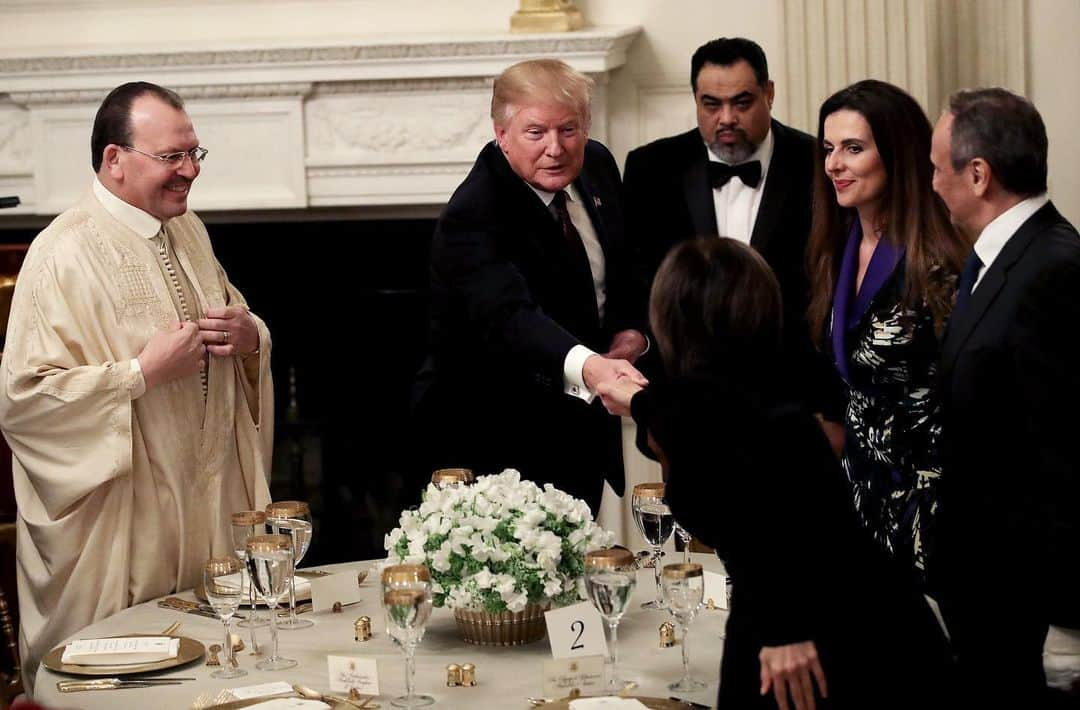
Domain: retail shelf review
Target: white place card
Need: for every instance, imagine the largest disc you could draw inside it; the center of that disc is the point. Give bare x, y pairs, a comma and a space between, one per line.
607, 703
262, 690
332, 588
562, 675
715, 589
290, 704
576, 630
121, 651
348, 672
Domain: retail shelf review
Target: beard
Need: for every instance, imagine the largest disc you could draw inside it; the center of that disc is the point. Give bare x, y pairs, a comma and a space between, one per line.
736, 152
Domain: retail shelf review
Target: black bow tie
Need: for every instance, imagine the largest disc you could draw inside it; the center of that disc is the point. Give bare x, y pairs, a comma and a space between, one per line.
720, 173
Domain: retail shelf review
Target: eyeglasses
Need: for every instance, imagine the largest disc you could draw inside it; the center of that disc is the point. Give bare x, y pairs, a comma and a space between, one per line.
173, 160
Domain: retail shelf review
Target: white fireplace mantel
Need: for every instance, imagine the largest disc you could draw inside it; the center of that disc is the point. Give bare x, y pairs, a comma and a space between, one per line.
386, 121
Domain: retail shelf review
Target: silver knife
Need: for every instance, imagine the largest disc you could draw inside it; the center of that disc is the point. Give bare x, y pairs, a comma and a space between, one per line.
74, 686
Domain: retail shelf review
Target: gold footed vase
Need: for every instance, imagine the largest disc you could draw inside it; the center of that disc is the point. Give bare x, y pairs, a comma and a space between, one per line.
507, 628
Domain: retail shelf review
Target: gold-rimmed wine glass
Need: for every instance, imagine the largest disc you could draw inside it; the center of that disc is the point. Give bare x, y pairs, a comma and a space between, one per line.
223, 580
407, 602
292, 518
655, 523
447, 477
270, 564
683, 589
245, 524
610, 576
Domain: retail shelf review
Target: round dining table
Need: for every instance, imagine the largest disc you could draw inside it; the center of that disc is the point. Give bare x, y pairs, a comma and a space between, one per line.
505, 676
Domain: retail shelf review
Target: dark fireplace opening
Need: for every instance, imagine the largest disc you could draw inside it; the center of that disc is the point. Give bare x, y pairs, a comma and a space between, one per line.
346, 304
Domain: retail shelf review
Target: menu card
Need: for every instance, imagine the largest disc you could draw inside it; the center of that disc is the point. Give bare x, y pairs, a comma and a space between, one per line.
121, 651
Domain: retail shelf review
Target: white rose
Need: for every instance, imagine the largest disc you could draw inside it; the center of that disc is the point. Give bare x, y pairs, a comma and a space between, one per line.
515, 602
552, 587
391, 539
484, 579
504, 584
440, 561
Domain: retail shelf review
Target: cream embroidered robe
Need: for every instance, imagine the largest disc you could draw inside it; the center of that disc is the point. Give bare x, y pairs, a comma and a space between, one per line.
121, 498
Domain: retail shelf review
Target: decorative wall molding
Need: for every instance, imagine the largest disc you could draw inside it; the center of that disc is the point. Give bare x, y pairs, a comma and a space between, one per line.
374, 122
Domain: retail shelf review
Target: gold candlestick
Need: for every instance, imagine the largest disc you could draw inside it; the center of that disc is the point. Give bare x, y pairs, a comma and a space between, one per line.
547, 16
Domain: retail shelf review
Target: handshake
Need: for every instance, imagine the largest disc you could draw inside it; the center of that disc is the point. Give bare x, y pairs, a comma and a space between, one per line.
612, 376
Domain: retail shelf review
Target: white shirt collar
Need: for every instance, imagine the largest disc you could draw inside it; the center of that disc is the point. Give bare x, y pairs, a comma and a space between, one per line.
142, 223
763, 154
996, 235
546, 197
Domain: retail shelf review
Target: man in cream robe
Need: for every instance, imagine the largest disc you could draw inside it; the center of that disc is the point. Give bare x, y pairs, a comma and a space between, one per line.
125, 489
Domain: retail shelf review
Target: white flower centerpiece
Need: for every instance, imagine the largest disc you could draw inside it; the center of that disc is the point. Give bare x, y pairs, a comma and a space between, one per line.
501, 551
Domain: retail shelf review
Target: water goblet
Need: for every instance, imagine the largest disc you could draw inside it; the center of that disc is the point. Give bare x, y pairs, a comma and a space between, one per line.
292, 518
610, 577
223, 581
270, 565
683, 588
447, 477
246, 523
655, 523
407, 602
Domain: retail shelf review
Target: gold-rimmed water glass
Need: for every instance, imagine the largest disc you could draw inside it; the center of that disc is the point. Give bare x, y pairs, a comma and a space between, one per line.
245, 524
292, 518
407, 603
447, 477
655, 523
223, 580
270, 565
683, 587
610, 576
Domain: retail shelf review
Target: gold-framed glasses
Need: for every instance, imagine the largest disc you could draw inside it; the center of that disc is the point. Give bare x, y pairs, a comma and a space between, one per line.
173, 160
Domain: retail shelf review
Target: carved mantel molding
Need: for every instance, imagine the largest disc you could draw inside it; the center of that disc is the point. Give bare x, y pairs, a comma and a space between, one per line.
380, 121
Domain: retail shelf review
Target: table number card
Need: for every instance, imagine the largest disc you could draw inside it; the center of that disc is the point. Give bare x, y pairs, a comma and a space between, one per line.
576, 630
348, 672
561, 675
716, 589
334, 588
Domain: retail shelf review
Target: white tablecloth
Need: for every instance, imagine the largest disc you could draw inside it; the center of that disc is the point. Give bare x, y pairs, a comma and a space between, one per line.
505, 676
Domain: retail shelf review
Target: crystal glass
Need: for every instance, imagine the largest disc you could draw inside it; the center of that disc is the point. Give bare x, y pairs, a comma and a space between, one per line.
655, 523
684, 538
407, 602
610, 577
683, 587
223, 579
245, 524
292, 518
447, 477
270, 564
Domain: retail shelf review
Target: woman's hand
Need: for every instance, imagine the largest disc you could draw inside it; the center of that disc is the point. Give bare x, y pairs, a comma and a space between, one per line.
616, 395
788, 669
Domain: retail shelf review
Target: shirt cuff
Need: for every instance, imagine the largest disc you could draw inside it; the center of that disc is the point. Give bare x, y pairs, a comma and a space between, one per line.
138, 382
573, 377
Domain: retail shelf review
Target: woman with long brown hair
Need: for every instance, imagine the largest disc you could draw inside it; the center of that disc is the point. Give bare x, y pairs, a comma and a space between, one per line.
883, 259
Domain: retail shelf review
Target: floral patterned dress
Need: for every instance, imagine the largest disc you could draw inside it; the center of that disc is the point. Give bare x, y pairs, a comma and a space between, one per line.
887, 355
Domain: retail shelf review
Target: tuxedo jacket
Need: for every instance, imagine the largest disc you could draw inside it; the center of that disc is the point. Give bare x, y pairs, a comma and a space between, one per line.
669, 199
508, 302
1010, 486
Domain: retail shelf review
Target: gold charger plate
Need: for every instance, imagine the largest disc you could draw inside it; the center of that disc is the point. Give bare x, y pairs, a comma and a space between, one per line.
653, 703
190, 650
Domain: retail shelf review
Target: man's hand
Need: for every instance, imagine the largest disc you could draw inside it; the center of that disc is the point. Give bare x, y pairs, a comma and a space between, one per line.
616, 395
626, 345
788, 669
229, 331
172, 354
599, 369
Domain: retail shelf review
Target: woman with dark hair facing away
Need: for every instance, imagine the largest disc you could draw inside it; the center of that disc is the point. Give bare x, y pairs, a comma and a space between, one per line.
821, 616
883, 259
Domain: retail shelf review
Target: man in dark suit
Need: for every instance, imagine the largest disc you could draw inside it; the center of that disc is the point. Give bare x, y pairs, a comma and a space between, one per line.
533, 302
1009, 533
743, 175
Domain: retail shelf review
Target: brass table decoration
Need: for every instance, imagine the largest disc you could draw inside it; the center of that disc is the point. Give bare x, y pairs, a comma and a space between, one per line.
362, 627
468, 675
453, 675
667, 634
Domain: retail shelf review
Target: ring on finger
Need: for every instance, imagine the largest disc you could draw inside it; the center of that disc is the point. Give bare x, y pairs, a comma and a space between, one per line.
224, 336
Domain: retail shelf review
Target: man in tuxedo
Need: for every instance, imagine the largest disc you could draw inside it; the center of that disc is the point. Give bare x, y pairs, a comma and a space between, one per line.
1010, 485
532, 299
739, 174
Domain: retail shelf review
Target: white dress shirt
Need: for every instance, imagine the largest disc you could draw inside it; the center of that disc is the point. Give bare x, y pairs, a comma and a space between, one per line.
573, 377
736, 203
997, 234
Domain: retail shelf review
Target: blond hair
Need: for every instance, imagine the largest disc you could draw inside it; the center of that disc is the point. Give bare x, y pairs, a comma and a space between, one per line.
540, 81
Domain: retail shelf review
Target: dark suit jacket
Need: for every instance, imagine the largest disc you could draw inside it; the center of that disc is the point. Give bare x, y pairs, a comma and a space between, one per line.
1010, 487
669, 199
507, 304
801, 566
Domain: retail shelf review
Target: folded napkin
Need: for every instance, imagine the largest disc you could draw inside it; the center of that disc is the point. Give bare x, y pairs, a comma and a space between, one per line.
607, 703
121, 651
